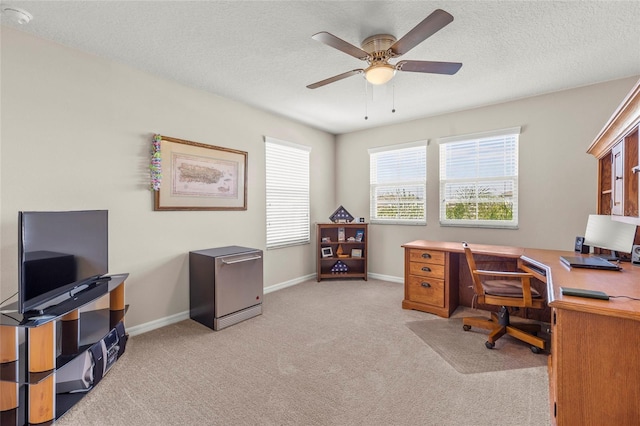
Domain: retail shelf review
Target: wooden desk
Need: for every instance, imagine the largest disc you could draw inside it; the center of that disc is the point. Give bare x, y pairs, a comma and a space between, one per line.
594, 366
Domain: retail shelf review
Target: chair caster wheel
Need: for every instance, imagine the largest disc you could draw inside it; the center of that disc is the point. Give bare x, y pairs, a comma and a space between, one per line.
466, 327
536, 350
489, 345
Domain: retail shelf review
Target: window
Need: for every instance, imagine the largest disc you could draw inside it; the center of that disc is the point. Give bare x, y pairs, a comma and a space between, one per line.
287, 185
398, 183
479, 179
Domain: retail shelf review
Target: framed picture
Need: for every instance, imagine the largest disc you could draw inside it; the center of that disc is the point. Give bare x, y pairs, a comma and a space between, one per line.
356, 252
327, 252
341, 235
359, 235
196, 176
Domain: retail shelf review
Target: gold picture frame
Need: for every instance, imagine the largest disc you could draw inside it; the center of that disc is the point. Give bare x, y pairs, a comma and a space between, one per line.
198, 176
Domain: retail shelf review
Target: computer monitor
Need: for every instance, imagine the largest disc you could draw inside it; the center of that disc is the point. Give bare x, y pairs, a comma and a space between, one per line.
605, 233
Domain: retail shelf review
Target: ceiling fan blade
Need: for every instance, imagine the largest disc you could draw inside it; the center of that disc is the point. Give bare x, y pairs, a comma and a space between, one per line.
449, 68
334, 78
425, 29
338, 43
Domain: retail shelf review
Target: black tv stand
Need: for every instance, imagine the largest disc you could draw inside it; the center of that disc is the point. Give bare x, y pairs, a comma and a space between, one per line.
31, 372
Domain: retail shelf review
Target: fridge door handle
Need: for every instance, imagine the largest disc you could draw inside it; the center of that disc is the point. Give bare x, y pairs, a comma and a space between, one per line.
246, 259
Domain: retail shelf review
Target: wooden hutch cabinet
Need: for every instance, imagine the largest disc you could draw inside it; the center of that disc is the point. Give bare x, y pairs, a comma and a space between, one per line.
616, 148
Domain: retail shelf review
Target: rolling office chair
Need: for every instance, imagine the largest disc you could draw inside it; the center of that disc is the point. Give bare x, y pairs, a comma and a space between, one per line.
510, 289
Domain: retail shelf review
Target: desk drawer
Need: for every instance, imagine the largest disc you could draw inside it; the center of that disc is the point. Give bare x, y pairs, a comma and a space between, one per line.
427, 270
426, 290
426, 256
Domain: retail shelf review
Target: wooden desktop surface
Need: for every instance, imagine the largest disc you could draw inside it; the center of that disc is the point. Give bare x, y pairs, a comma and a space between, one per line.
625, 282
614, 283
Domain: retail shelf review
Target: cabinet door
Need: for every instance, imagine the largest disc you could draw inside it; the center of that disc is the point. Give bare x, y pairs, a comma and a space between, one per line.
631, 173
617, 177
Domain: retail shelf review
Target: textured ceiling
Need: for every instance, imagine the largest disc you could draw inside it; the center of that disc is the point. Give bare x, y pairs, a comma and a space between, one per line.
261, 52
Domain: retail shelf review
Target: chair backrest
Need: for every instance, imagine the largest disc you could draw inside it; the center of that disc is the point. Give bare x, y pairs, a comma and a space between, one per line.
494, 293
477, 284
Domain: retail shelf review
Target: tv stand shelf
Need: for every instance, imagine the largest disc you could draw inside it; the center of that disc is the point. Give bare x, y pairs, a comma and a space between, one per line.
31, 357
94, 325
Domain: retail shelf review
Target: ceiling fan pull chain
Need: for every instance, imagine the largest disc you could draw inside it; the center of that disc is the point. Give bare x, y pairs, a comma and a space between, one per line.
366, 95
393, 97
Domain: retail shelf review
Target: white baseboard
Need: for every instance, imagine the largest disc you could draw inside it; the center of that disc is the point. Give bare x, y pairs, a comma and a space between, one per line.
389, 278
162, 322
172, 319
289, 283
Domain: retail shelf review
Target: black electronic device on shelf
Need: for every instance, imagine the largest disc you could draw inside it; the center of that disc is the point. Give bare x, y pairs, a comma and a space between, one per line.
60, 254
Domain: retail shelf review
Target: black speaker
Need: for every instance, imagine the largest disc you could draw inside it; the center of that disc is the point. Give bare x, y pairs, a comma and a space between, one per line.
580, 246
635, 255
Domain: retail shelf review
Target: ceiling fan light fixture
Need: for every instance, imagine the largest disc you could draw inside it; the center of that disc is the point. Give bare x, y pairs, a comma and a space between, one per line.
379, 73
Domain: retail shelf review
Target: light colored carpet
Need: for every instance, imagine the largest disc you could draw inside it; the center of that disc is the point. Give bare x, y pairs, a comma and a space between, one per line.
328, 353
467, 353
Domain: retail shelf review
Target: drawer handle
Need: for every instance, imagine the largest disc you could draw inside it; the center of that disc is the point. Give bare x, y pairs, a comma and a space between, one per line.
426, 256
426, 269
425, 284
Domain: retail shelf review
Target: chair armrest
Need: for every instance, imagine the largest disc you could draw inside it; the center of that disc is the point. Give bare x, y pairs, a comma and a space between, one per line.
503, 274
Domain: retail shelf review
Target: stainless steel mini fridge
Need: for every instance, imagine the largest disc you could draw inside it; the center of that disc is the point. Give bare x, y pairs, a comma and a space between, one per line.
225, 285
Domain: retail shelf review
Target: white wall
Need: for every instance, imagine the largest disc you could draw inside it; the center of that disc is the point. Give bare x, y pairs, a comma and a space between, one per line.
76, 134
557, 177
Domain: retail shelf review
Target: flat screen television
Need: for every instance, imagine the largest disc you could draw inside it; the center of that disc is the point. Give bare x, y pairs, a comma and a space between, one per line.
59, 253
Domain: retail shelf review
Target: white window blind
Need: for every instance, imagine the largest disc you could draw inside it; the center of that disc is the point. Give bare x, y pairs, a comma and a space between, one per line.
398, 182
287, 186
479, 179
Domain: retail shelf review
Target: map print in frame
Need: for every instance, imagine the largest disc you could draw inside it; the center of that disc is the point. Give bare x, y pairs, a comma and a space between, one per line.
204, 177
197, 176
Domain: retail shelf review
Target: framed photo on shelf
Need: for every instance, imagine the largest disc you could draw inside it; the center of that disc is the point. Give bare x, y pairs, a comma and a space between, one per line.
327, 252
359, 235
341, 235
197, 176
356, 252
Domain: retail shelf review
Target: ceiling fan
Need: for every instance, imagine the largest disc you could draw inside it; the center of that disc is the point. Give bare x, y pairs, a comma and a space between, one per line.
378, 49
